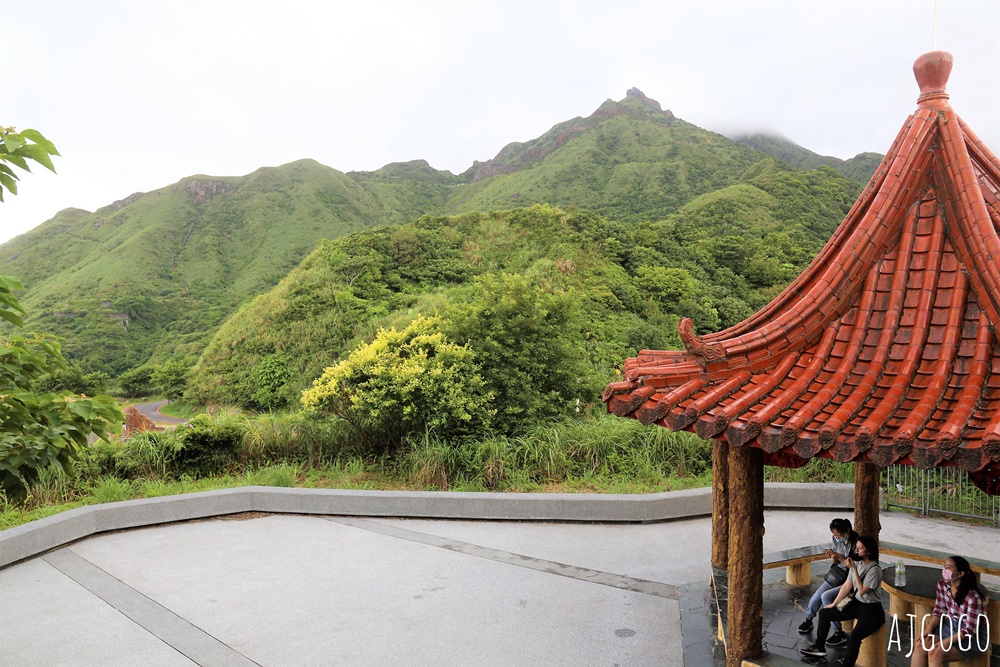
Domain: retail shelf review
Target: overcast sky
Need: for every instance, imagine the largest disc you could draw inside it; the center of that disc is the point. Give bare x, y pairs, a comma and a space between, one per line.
137, 95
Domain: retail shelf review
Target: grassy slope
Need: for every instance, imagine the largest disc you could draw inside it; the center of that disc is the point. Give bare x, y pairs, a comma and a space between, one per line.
178, 260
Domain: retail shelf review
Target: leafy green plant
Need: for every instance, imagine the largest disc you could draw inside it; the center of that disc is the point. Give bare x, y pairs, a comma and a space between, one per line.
17, 149
40, 430
526, 338
74, 379
136, 382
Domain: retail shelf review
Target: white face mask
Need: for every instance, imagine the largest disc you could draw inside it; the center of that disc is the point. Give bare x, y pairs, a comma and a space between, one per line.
946, 574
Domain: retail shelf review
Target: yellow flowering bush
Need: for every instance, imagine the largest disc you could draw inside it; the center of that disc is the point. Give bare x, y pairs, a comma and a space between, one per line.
405, 383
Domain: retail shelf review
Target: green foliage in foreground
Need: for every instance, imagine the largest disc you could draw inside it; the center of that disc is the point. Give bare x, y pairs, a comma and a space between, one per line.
595, 454
20, 149
40, 430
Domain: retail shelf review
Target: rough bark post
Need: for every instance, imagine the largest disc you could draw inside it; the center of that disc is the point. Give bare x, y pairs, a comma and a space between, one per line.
720, 504
744, 626
867, 487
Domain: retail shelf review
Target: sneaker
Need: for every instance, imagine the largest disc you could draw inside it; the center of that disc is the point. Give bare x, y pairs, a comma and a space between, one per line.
806, 627
838, 639
813, 651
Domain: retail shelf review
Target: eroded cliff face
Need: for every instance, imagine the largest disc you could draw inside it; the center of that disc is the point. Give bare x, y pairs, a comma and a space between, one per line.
205, 191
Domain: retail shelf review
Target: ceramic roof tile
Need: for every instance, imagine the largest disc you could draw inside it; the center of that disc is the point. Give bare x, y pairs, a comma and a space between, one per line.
882, 351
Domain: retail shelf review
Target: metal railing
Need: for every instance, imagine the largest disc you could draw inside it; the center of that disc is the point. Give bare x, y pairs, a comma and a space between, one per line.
945, 491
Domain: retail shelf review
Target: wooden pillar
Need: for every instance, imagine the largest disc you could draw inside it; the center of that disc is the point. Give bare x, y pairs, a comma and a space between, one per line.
720, 504
744, 628
867, 487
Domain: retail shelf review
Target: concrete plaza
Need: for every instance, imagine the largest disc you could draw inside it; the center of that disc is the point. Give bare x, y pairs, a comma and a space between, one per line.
278, 589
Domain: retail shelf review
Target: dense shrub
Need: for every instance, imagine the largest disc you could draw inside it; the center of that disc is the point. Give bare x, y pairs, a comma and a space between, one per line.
204, 446
404, 383
528, 339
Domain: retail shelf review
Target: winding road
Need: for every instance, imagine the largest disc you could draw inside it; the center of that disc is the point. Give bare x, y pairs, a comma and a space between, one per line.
152, 412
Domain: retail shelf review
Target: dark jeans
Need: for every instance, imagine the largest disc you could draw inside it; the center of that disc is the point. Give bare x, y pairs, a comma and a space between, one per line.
869, 617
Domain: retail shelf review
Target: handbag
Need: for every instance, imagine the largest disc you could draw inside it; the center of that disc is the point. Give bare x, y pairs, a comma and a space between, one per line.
836, 576
842, 605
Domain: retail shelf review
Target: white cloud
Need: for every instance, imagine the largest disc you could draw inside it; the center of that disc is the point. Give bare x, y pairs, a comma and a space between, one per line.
139, 95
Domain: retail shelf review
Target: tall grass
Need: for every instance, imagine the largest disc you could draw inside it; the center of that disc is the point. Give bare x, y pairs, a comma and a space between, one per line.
112, 489
432, 463
816, 470
598, 453
560, 452
282, 436
53, 487
276, 475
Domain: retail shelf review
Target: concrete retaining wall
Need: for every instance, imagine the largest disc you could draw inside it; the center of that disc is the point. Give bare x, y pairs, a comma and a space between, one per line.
40, 536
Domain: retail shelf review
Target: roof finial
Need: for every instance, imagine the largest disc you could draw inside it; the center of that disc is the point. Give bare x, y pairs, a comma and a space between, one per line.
937, 16
932, 71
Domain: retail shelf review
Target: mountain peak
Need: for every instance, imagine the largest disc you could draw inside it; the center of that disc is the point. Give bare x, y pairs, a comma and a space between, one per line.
635, 103
637, 94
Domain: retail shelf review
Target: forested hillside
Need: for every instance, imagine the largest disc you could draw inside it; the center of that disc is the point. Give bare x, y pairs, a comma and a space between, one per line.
858, 168
152, 277
619, 287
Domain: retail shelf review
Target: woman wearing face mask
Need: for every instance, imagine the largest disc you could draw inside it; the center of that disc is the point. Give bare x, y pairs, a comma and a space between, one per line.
957, 629
843, 540
864, 580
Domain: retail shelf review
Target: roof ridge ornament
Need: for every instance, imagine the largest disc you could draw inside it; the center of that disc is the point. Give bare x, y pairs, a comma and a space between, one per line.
932, 71
695, 345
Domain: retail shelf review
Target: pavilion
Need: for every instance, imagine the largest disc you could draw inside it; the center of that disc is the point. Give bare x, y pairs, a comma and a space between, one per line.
882, 352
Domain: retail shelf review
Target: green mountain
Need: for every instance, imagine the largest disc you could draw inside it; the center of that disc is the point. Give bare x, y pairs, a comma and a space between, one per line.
155, 274
717, 259
859, 168
152, 277
628, 161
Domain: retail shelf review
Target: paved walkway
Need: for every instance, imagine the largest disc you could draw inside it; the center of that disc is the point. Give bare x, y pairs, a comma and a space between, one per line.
305, 590
151, 411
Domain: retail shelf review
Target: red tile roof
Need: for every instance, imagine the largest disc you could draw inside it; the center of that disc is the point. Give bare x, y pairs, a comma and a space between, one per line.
883, 350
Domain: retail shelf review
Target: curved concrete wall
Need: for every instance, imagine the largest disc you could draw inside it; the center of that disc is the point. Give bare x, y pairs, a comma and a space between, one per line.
37, 537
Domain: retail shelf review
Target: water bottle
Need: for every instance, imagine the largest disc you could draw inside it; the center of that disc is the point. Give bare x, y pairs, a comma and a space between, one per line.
900, 574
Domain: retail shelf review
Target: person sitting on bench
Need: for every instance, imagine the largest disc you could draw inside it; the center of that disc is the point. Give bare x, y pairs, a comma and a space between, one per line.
958, 622
859, 598
842, 544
